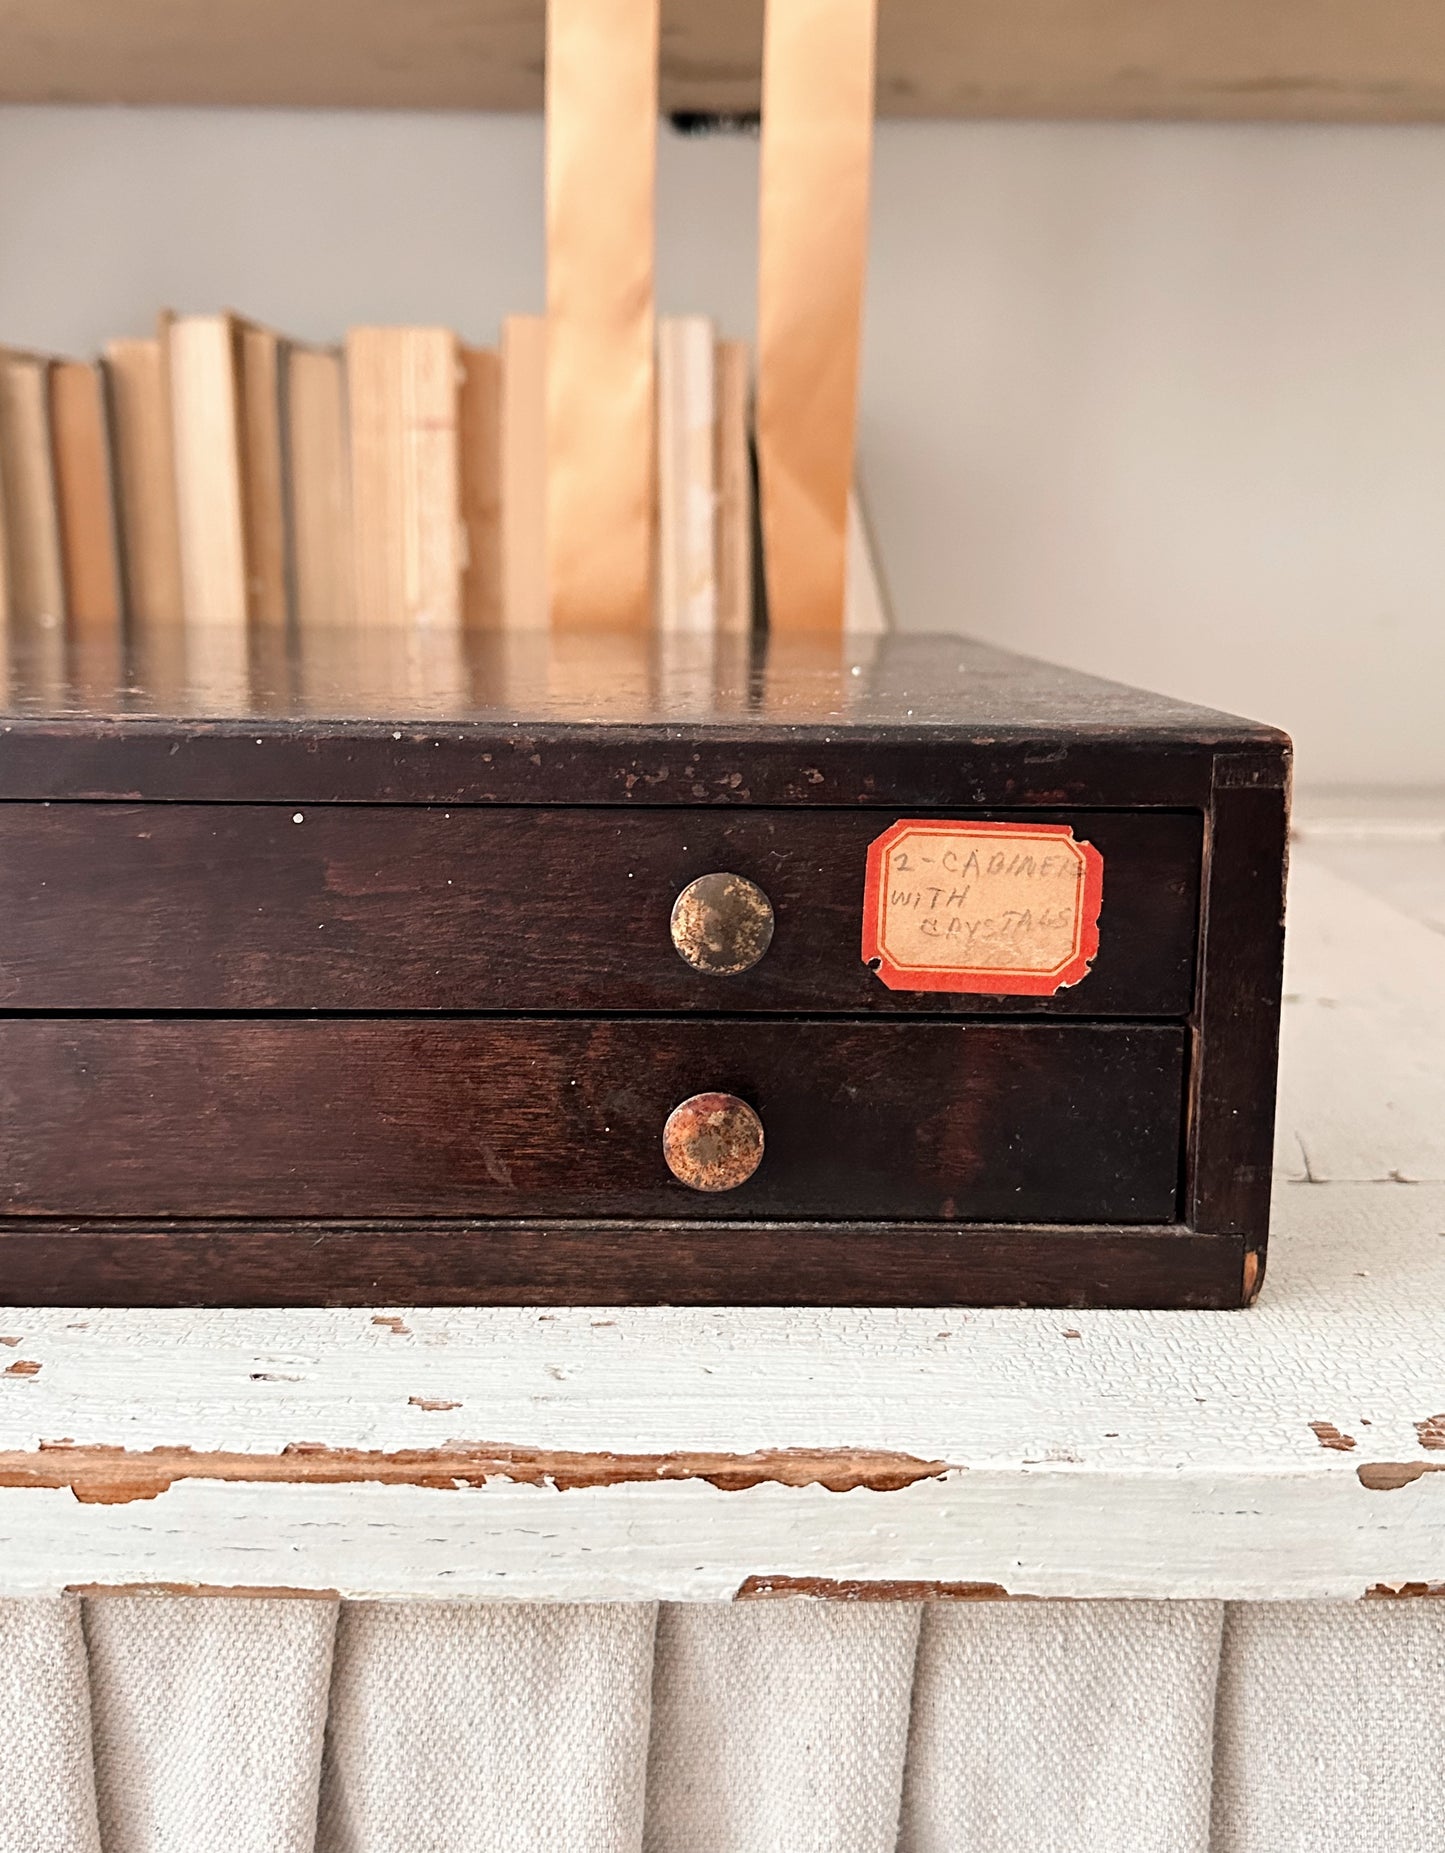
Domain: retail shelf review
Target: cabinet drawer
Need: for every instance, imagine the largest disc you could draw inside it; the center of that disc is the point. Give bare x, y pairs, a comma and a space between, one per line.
449, 1117
240, 908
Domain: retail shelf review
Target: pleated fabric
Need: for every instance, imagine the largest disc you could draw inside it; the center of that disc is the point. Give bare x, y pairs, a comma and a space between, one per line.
779, 1725
472, 1727
231, 1725
1331, 1735
47, 1790
208, 1719
1062, 1727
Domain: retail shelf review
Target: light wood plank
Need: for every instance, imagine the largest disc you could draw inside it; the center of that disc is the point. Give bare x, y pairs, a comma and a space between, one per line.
1301, 60
524, 472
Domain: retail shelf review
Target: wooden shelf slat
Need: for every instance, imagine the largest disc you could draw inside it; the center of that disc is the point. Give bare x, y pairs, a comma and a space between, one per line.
1300, 60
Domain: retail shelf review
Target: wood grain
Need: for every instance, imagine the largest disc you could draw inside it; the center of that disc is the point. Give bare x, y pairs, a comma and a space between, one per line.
324, 1117
1300, 60
498, 908
580, 1262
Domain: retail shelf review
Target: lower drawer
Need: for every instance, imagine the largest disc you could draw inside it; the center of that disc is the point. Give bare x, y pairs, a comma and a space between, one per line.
420, 1117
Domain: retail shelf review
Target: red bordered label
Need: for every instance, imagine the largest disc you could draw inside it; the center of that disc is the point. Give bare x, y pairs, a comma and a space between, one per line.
1008, 909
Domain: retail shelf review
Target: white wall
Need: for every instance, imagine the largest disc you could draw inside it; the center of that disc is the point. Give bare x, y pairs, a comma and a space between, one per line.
1164, 401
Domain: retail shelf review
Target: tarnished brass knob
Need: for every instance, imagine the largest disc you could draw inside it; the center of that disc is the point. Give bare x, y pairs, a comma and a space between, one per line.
722, 924
712, 1142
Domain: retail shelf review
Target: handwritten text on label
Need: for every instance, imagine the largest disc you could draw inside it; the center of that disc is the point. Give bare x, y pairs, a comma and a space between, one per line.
988, 907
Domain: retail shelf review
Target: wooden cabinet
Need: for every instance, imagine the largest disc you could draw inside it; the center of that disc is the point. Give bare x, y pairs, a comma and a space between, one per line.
400, 980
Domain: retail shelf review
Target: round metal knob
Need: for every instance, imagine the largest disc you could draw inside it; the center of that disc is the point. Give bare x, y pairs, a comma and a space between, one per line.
722, 924
712, 1142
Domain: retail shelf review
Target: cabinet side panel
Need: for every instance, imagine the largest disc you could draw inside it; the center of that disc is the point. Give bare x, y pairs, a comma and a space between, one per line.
1236, 1043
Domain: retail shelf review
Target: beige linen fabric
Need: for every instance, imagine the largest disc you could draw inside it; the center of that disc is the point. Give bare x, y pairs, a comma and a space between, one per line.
779, 1727
1331, 1730
47, 1794
209, 1716
476, 1727
1062, 1727
775, 1727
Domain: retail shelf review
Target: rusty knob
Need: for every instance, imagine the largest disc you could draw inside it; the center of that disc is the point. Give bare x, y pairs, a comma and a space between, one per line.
713, 1142
722, 924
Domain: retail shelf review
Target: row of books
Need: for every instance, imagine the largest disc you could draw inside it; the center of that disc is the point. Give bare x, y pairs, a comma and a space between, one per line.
219, 475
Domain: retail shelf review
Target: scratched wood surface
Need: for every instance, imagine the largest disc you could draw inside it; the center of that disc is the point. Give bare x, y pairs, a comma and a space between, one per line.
1294, 1450
373, 716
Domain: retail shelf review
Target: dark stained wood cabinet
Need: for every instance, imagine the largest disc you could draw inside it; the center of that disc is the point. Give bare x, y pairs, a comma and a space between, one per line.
359, 976
505, 907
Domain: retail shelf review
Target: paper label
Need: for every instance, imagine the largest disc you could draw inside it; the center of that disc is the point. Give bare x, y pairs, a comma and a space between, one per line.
992, 907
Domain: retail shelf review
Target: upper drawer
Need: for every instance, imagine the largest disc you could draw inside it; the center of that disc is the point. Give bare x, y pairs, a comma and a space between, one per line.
335, 908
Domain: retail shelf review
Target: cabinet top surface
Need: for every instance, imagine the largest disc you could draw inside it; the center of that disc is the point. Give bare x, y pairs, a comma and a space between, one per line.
494, 682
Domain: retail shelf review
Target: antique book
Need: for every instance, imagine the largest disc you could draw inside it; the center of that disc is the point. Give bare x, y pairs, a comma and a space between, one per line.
145, 479
481, 485
686, 587
207, 424
262, 356
405, 475
733, 476
35, 573
85, 501
318, 476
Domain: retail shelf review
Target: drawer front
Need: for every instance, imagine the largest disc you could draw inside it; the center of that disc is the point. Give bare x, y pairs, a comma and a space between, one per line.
240, 908
447, 1117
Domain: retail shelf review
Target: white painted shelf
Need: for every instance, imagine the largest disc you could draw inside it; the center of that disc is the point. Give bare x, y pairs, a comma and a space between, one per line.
1294, 1450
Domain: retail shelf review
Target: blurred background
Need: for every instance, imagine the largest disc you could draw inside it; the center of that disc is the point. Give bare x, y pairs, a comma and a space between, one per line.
1163, 400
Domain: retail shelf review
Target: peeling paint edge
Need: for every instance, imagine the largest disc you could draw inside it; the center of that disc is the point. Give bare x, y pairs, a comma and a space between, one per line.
751, 1589
101, 1475
1390, 1476
242, 1592
847, 1589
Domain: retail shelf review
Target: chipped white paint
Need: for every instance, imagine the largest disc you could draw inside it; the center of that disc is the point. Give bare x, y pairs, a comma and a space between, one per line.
1142, 1454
